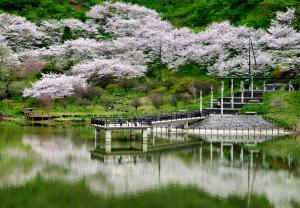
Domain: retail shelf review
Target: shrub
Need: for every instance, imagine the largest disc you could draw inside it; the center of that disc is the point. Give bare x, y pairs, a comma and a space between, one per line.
168, 83
173, 101
159, 90
128, 83
2, 94
136, 103
156, 100
89, 93
186, 97
107, 102
83, 102
45, 102
111, 87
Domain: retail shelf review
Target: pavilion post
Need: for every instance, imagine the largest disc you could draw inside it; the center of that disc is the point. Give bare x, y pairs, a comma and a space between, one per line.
222, 95
212, 96
232, 95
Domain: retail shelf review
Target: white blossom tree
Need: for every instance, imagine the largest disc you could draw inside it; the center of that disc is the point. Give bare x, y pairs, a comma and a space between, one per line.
55, 29
55, 85
108, 67
19, 33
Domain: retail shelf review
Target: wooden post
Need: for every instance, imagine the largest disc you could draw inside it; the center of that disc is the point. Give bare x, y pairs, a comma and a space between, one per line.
222, 95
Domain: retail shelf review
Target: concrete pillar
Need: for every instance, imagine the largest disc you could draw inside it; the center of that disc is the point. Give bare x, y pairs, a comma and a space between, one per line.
107, 136
212, 96
108, 147
222, 151
222, 95
251, 158
242, 92
264, 86
232, 95
200, 154
170, 126
108, 141
200, 101
145, 141
211, 151
231, 154
242, 156
252, 87
186, 125
97, 132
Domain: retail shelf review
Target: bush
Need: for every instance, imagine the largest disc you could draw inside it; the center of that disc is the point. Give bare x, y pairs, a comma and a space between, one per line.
2, 94
186, 97
107, 102
90, 93
159, 90
168, 83
111, 87
83, 102
45, 102
156, 100
173, 101
128, 83
136, 103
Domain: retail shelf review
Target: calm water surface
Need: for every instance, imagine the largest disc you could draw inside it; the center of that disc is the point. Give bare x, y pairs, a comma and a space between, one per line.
240, 177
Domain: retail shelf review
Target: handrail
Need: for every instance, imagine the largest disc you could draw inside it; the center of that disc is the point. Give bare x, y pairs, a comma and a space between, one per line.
142, 120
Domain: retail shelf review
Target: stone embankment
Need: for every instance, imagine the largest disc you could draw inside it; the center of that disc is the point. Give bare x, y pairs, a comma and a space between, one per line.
234, 122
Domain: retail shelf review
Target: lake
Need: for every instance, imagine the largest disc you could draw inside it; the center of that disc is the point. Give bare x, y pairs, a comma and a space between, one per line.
55, 167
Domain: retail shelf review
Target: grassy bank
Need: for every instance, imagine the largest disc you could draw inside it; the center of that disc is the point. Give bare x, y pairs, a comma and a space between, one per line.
282, 107
62, 195
174, 92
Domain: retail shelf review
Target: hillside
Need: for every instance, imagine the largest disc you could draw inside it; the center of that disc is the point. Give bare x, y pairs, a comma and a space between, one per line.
191, 13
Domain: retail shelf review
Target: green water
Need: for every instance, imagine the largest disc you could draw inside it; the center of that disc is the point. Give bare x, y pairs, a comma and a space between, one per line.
53, 167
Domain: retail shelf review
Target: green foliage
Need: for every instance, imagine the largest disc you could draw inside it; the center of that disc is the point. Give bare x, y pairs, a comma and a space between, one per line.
195, 14
282, 107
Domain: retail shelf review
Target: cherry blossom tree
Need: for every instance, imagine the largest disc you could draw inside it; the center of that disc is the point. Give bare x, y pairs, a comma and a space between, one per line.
19, 33
55, 85
283, 41
108, 67
55, 29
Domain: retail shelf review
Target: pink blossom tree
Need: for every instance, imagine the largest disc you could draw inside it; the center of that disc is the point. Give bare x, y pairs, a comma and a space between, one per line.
55, 85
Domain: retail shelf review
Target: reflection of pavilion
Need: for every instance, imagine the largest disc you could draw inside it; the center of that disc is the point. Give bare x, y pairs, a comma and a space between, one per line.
141, 146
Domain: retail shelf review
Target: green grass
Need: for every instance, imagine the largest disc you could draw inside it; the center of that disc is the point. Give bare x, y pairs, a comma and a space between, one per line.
39, 193
281, 106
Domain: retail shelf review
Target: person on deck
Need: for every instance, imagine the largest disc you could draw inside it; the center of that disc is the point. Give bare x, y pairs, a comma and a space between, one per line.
120, 120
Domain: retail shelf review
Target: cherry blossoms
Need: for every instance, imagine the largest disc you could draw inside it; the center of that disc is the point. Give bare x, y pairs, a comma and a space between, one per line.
108, 67
19, 34
121, 40
54, 85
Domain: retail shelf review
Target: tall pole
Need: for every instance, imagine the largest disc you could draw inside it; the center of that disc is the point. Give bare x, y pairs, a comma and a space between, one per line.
251, 86
232, 95
212, 96
222, 94
264, 87
249, 59
200, 101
